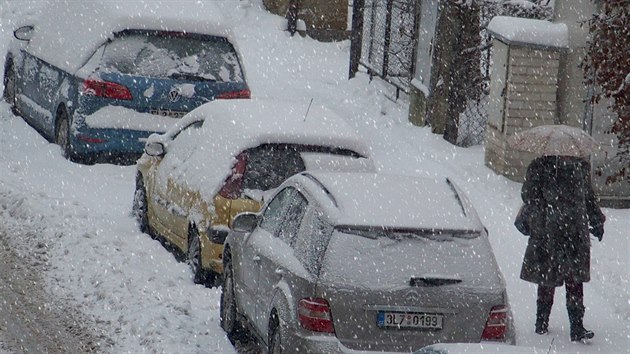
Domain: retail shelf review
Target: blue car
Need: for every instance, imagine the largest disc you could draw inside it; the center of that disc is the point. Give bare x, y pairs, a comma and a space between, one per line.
101, 81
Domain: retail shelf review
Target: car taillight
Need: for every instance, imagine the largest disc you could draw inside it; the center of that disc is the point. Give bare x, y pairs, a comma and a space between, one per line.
232, 187
234, 94
314, 314
106, 89
91, 140
497, 324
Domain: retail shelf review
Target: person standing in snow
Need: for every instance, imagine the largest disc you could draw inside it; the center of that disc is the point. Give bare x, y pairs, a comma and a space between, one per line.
561, 208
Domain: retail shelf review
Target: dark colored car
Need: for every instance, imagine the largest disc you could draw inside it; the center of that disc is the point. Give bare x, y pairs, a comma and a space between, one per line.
99, 93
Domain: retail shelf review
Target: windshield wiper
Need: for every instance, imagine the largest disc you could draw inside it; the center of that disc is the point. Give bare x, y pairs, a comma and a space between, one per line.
190, 77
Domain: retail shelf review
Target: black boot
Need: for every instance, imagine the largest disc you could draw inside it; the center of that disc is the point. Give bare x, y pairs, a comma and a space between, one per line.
542, 318
578, 332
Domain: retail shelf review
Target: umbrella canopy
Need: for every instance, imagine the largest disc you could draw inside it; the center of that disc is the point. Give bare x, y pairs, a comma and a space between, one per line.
559, 140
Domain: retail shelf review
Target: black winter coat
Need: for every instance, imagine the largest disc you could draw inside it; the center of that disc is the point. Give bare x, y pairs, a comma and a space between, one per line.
562, 205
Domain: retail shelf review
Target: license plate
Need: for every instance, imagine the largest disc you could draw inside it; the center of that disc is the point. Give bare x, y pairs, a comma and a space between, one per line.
167, 113
409, 320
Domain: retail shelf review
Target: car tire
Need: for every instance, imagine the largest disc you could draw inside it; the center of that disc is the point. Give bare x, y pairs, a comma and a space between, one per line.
9, 84
275, 335
193, 258
62, 133
140, 205
228, 309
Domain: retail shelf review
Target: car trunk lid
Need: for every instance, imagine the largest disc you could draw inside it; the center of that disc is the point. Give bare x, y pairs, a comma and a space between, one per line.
435, 283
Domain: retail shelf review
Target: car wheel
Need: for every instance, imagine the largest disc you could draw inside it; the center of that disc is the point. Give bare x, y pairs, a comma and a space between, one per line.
194, 256
228, 310
62, 133
275, 341
9, 85
140, 205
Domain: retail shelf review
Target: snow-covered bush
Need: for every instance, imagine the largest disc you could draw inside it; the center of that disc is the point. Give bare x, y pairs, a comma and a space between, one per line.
607, 67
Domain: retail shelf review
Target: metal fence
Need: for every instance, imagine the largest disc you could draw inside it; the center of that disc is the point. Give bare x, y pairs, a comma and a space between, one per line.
389, 39
385, 39
472, 121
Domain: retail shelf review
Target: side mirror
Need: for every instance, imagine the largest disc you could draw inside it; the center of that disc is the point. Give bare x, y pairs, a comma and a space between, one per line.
245, 222
155, 149
24, 33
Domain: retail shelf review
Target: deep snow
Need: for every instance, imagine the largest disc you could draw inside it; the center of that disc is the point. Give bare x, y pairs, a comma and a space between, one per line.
74, 221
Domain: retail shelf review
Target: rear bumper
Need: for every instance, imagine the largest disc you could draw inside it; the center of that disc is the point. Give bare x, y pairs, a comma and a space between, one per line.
115, 130
299, 343
113, 142
330, 344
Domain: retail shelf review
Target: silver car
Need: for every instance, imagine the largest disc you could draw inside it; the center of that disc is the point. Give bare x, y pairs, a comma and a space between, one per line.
346, 262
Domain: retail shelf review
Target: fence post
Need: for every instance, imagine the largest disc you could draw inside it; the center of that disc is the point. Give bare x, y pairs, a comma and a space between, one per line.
388, 33
356, 38
292, 16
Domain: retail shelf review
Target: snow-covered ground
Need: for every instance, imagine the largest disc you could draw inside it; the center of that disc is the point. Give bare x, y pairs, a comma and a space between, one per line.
74, 221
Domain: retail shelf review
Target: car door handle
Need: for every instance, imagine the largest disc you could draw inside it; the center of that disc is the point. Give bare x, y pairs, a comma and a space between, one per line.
279, 271
256, 258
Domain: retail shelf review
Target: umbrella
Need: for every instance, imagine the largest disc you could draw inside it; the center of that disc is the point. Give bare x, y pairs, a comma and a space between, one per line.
560, 140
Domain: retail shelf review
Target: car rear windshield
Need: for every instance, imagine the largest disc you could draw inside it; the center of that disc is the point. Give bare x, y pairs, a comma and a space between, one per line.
270, 164
172, 54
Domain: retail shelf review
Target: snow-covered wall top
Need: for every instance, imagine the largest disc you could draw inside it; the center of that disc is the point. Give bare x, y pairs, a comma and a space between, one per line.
525, 31
68, 32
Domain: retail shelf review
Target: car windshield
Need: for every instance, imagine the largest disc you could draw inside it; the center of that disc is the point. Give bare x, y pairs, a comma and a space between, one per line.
175, 55
393, 234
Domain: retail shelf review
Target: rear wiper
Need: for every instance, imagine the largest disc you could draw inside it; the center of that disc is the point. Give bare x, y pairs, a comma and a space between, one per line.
433, 281
190, 77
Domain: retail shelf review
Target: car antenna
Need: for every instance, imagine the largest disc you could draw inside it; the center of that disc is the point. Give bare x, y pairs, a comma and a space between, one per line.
308, 109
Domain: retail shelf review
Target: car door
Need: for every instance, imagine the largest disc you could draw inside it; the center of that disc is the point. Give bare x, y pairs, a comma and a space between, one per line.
27, 88
256, 244
49, 81
170, 196
277, 259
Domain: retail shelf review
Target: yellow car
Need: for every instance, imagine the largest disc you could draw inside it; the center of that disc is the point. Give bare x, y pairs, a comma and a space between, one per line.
222, 159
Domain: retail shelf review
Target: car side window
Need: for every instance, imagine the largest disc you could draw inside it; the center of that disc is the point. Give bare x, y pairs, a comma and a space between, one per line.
189, 128
275, 210
184, 143
293, 218
312, 240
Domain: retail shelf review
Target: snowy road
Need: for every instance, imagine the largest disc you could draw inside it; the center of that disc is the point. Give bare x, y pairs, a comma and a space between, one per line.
29, 321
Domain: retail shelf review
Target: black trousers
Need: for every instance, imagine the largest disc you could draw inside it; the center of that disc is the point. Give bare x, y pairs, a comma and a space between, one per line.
575, 294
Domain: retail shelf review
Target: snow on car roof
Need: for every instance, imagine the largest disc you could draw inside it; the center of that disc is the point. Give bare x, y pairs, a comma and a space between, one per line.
232, 126
369, 199
258, 121
67, 32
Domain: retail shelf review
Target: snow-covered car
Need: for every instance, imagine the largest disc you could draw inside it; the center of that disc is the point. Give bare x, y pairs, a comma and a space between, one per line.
349, 262
223, 158
98, 77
